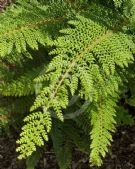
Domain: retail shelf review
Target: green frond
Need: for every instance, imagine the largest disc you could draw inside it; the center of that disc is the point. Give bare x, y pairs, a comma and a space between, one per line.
118, 3
62, 146
83, 122
131, 101
22, 86
102, 121
15, 57
129, 13
76, 135
123, 117
82, 55
92, 53
27, 25
92, 50
33, 133
74, 84
17, 105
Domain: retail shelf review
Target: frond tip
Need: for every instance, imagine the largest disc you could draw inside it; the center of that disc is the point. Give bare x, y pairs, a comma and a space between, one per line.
38, 125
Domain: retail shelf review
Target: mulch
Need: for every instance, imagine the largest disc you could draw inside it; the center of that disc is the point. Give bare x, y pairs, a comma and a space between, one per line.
121, 154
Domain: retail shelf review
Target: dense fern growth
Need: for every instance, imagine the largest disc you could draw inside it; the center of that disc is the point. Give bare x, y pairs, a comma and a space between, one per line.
65, 66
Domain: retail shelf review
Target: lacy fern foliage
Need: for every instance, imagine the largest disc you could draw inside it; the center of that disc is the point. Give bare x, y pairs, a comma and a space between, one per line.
69, 51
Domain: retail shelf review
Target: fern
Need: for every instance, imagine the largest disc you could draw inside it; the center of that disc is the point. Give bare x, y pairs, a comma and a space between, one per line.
62, 147
103, 123
22, 86
123, 117
81, 64
118, 2
19, 28
34, 132
70, 49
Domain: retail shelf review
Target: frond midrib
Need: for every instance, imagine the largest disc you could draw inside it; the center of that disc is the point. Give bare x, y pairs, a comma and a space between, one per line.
75, 61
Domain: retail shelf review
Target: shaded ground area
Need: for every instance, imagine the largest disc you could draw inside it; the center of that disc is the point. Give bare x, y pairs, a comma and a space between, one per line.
121, 156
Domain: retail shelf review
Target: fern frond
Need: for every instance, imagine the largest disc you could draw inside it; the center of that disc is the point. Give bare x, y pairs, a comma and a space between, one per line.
92, 46
102, 120
22, 86
123, 117
16, 57
76, 135
30, 137
17, 105
92, 54
118, 3
62, 146
28, 24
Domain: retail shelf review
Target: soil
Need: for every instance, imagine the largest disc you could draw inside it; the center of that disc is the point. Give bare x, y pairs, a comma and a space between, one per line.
121, 155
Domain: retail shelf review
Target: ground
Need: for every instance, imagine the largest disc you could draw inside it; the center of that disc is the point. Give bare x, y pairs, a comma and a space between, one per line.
121, 155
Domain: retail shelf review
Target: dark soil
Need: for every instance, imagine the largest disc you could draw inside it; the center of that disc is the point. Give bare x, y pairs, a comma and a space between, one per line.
121, 156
